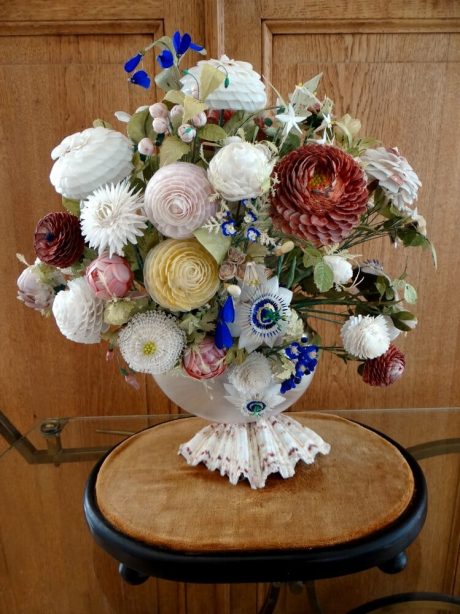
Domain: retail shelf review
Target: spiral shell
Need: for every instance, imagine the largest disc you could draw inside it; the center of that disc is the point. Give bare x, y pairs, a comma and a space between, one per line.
177, 199
181, 275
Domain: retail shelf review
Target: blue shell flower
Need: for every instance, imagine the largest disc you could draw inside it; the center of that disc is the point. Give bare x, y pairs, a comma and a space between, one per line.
183, 43
131, 64
140, 78
252, 234
228, 228
165, 59
223, 337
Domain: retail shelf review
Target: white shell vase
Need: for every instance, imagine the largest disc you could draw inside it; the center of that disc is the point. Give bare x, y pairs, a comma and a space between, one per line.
237, 445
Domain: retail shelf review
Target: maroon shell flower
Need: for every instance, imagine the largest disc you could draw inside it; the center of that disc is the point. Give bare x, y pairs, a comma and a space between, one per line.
385, 369
58, 239
321, 194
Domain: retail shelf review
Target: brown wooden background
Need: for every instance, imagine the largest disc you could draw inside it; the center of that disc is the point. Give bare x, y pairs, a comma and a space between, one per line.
394, 64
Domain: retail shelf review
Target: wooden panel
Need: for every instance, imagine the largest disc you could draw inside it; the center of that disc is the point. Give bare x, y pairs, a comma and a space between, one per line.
402, 66
56, 85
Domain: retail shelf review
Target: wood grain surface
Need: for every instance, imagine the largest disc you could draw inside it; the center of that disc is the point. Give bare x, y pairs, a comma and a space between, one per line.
394, 64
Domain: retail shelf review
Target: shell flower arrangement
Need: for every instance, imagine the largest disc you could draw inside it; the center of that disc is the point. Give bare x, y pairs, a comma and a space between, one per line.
204, 246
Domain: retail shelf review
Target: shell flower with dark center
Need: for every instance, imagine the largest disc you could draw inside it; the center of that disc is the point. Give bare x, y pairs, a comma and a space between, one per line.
320, 196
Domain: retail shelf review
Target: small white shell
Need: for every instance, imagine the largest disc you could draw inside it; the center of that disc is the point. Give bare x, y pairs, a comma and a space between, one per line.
254, 451
90, 159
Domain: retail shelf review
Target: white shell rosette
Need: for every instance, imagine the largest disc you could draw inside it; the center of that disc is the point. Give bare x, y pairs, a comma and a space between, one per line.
111, 217
395, 175
240, 170
366, 336
151, 342
78, 313
177, 199
245, 91
89, 159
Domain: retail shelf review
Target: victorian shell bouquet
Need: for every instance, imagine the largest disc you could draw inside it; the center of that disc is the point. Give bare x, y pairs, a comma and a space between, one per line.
210, 240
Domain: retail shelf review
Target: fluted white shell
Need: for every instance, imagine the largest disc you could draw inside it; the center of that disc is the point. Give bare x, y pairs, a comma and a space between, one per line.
245, 91
90, 159
177, 199
79, 313
254, 451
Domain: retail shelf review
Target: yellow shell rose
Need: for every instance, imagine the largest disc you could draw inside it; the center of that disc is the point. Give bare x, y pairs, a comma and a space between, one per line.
180, 274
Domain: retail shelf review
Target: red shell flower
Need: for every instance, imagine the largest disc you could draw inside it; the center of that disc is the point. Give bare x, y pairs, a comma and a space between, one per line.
58, 239
320, 196
385, 369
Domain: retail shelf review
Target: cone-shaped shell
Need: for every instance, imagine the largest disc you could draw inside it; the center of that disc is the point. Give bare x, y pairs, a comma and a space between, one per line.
90, 159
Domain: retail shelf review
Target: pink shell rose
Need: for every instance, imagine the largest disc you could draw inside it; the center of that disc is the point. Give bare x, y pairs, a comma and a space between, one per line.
177, 199
109, 277
204, 360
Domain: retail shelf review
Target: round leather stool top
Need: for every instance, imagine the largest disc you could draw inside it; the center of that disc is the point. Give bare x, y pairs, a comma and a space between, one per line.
146, 492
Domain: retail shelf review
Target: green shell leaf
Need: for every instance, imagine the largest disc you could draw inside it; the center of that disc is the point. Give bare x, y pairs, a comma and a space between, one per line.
210, 79
140, 126
216, 244
323, 276
72, 206
212, 132
172, 150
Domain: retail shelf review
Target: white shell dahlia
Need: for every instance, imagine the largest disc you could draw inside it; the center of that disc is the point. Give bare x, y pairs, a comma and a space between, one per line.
151, 342
177, 199
245, 91
240, 170
86, 160
79, 313
366, 336
262, 314
110, 218
251, 387
395, 175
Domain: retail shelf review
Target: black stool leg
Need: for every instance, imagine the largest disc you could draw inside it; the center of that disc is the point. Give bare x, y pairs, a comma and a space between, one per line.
271, 599
396, 564
131, 576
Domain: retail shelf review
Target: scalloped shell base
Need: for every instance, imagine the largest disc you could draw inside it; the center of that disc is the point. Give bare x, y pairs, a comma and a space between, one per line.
255, 450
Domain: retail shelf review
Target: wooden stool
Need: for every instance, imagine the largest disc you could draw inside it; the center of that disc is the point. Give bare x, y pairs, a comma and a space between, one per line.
356, 508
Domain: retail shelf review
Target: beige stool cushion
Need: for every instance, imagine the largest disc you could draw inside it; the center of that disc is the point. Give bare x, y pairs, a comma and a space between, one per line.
148, 492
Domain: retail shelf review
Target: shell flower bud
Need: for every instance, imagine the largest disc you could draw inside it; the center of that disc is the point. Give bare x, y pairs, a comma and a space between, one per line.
160, 125
186, 133
158, 110
176, 111
227, 270
285, 248
146, 147
199, 120
234, 290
